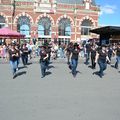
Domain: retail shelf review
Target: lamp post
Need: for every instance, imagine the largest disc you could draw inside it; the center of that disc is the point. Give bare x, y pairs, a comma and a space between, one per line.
75, 20
13, 12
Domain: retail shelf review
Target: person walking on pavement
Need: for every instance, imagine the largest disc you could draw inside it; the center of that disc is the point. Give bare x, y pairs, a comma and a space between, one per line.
93, 55
110, 52
74, 59
13, 56
24, 54
102, 58
69, 51
117, 52
43, 61
48, 51
17, 47
87, 52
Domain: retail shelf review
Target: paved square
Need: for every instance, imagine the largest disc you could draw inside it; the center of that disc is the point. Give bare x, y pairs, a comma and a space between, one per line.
59, 96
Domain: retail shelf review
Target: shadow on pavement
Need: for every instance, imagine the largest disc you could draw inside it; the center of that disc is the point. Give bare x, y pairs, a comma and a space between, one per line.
20, 73
113, 66
21, 67
90, 66
50, 66
50, 62
96, 73
48, 73
77, 72
29, 63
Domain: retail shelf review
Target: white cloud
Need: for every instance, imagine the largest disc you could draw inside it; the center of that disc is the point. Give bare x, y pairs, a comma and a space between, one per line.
108, 9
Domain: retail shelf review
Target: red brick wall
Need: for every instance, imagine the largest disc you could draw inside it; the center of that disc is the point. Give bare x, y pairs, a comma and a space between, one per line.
29, 9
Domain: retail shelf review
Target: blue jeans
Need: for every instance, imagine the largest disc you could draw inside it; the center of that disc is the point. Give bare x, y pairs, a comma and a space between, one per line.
117, 61
24, 59
62, 53
43, 68
13, 65
103, 66
74, 63
87, 56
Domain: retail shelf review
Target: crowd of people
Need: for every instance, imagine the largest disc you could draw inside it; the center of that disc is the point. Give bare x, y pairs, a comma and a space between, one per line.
46, 52
93, 53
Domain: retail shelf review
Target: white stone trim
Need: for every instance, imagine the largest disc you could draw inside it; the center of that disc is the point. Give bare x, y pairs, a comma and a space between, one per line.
87, 18
23, 14
64, 36
45, 15
44, 36
5, 16
65, 16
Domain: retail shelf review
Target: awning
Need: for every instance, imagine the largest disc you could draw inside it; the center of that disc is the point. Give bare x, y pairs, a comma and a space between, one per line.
8, 33
111, 30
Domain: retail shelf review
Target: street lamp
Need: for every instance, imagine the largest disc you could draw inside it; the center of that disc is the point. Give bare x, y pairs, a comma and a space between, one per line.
75, 20
13, 12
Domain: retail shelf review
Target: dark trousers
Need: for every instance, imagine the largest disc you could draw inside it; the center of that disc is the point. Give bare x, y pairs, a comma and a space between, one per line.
93, 61
18, 61
109, 56
47, 64
24, 59
68, 58
102, 66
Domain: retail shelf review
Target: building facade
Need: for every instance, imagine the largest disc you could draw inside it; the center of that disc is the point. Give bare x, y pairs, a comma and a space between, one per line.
61, 20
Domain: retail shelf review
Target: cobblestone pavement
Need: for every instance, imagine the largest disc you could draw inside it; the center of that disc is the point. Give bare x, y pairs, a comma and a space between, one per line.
59, 96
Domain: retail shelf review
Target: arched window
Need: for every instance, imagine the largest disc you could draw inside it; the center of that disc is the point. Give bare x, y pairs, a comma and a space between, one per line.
85, 27
64, 27
23, 25
2, 21
44, 26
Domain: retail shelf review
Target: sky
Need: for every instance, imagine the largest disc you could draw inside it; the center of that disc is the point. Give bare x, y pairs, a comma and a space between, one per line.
110, 12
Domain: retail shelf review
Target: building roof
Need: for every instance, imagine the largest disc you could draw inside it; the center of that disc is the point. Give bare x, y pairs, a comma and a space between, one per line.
24, 0
64, 1
74, 1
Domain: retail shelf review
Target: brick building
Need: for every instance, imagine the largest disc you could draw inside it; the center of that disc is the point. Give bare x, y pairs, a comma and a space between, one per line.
63, 20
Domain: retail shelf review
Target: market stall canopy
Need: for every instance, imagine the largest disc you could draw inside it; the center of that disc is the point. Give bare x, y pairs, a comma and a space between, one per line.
106, 33
111, 30
8, 33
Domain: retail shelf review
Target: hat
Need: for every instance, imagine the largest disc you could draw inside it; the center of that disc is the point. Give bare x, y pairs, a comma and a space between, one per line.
119, 43
103, 45
49, 46
13, 44
42, 46
76, 44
